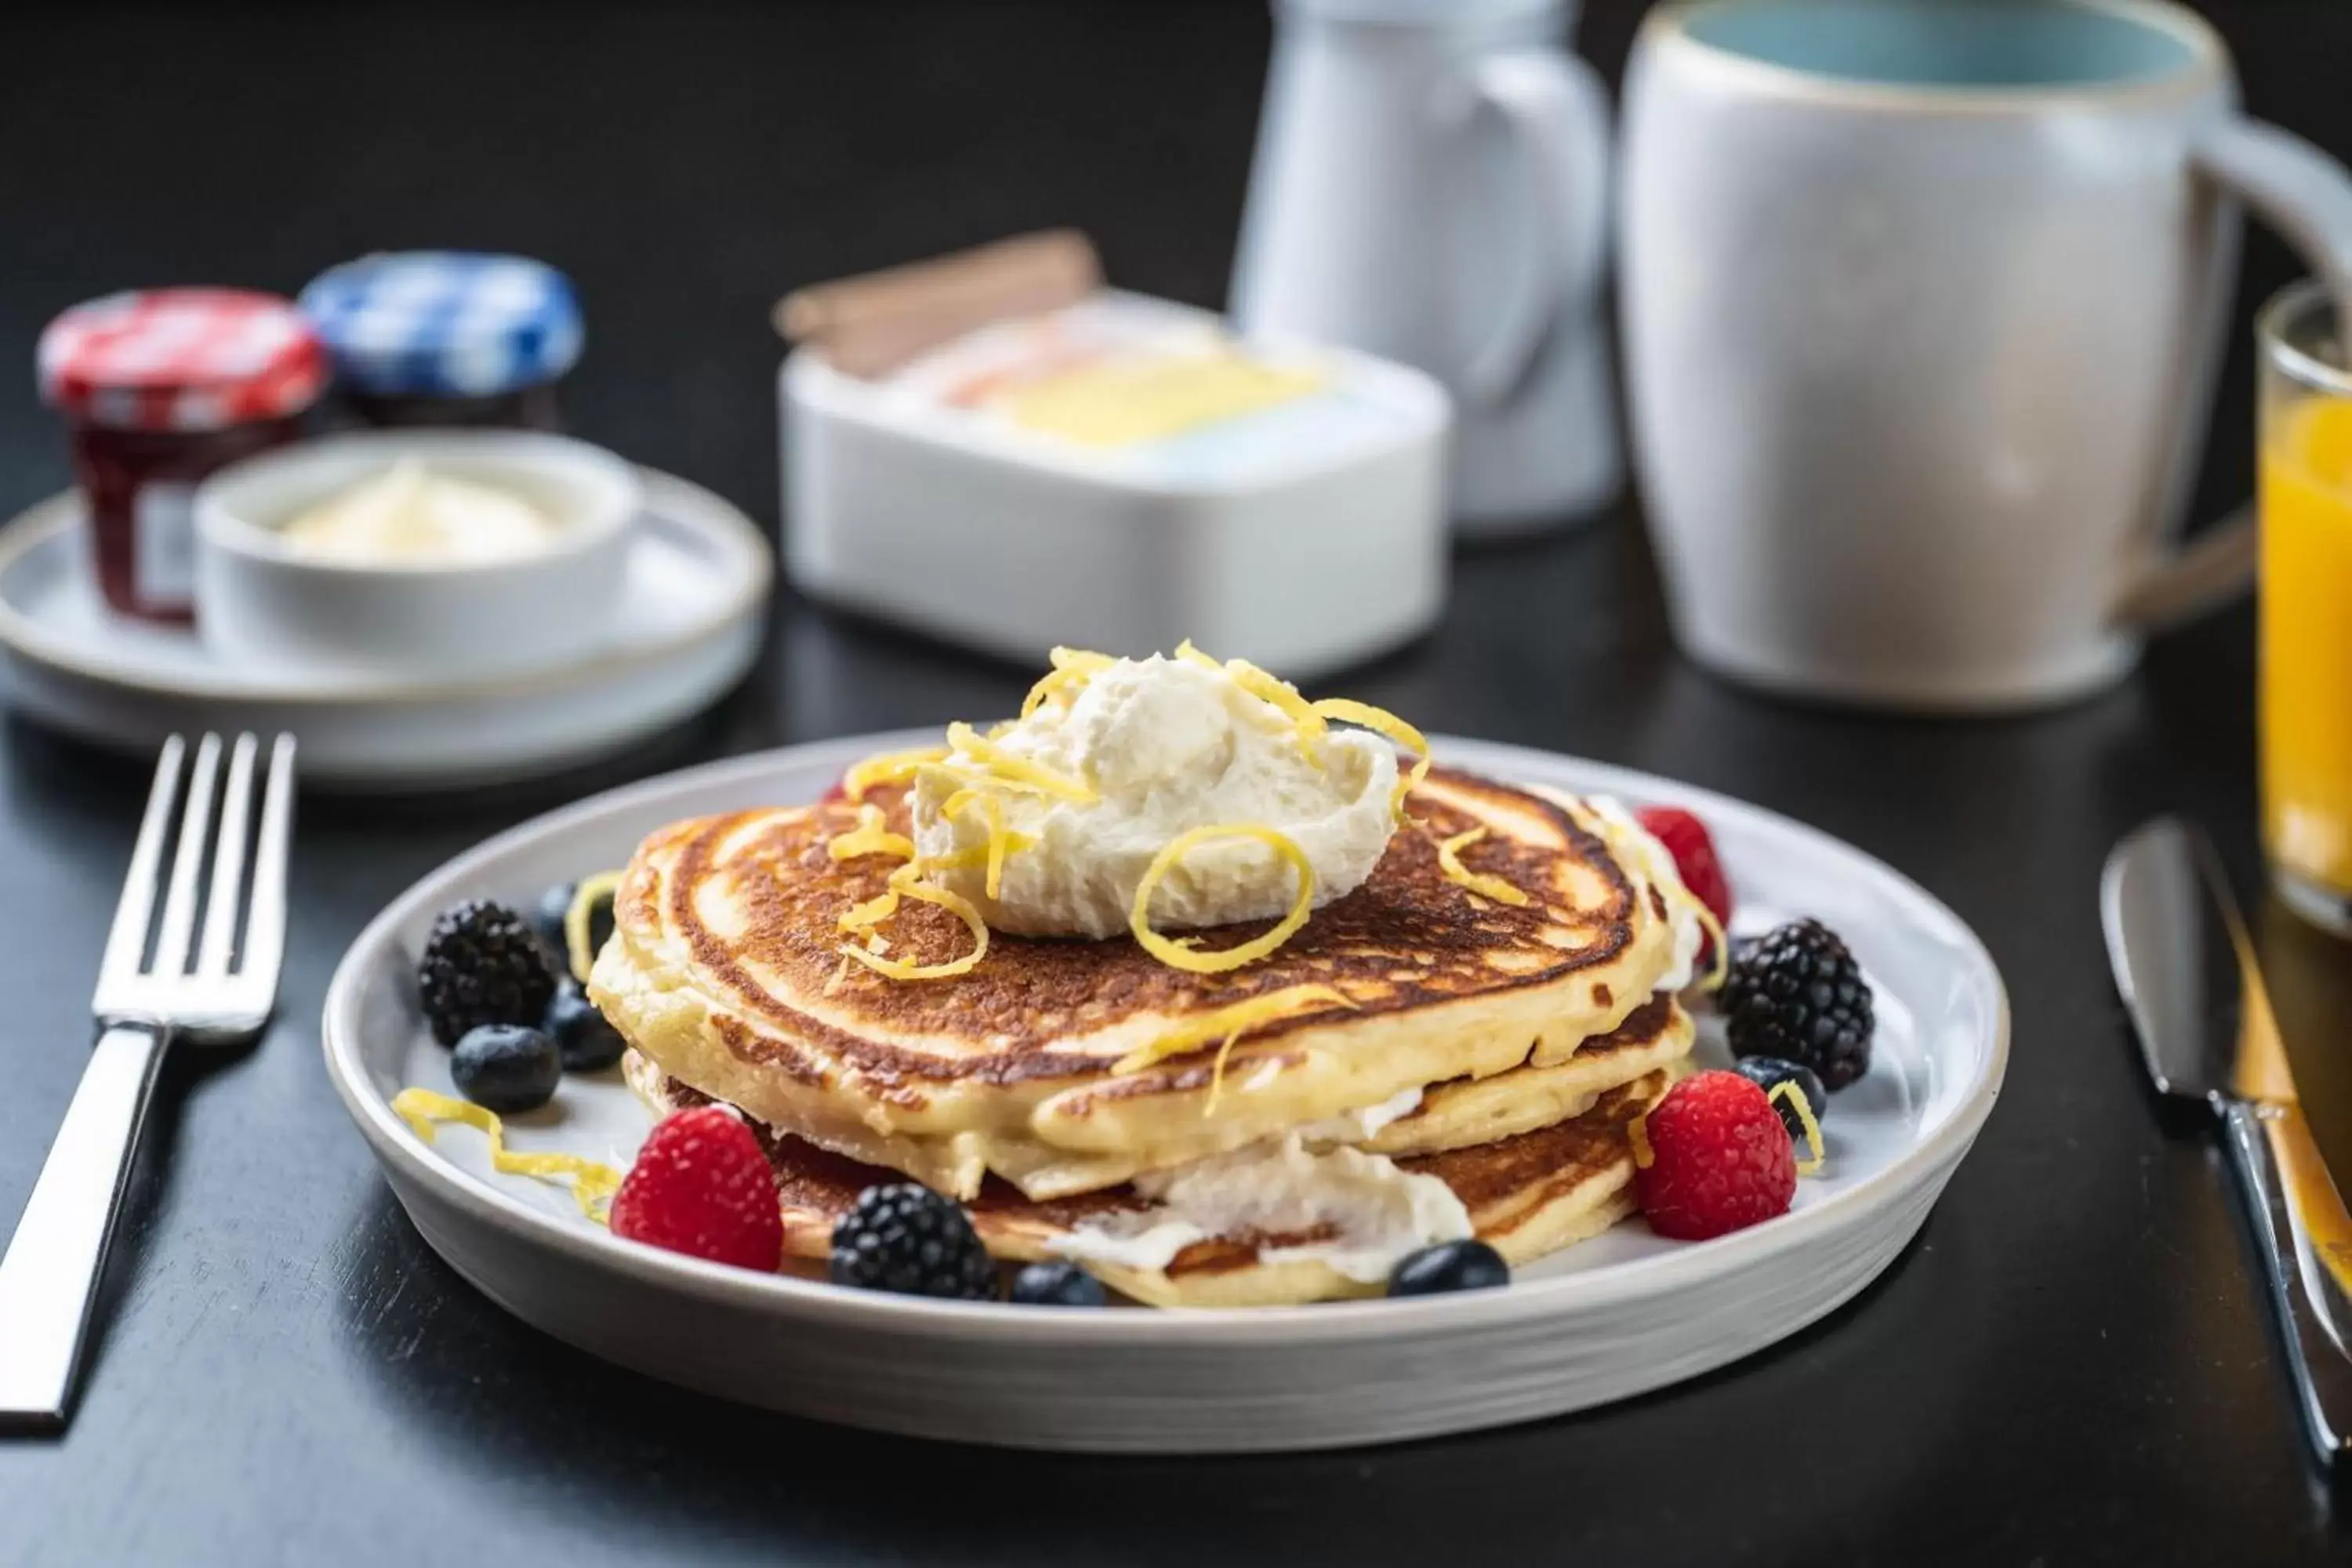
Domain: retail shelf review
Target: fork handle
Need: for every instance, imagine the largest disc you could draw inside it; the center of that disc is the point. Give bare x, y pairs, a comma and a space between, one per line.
49, 1280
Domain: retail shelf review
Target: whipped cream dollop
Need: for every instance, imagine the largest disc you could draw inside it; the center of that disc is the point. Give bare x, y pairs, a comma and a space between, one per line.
1156, 748
410, 515
1359, 1213
1653, 862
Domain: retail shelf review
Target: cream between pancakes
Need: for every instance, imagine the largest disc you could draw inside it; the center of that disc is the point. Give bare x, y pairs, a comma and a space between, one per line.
1365, 1211
1162, 746
1655, 862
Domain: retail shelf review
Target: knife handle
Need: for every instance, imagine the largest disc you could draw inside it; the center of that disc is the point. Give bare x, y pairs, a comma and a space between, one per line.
2280, 1180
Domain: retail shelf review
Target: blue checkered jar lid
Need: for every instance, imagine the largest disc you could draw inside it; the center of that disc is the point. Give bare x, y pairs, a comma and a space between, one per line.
445, 323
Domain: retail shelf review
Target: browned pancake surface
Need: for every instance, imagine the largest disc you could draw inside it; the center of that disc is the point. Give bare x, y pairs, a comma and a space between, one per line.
1501, 1184
1526, 1166
1409, 937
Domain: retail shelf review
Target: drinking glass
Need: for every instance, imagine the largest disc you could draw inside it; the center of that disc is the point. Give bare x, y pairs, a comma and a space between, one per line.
2305, 498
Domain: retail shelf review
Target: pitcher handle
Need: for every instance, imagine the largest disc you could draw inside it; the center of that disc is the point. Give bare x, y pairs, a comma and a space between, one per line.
1557, 112
2306, 197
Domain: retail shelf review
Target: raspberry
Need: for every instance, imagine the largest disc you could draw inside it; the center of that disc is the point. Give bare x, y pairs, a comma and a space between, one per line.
1719, 1160
1687, 840
701, 1187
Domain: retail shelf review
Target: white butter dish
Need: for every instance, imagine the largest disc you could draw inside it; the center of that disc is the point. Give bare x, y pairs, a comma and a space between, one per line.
1305, 534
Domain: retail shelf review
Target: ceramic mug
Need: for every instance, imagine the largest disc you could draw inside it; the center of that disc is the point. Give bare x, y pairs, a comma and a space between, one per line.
1922, 303
1431, 186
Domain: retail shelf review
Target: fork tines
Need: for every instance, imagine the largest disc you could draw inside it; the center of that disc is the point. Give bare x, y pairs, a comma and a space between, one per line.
234, 977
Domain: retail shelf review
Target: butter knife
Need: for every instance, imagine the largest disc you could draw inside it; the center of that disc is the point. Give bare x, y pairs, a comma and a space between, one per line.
2186, 969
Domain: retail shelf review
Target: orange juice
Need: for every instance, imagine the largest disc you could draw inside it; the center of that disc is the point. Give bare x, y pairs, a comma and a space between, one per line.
2307, 643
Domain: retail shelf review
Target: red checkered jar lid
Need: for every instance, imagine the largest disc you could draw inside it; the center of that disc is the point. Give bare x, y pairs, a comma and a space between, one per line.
181, 359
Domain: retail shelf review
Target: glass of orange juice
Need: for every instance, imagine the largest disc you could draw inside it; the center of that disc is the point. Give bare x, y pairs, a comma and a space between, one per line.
2307, 605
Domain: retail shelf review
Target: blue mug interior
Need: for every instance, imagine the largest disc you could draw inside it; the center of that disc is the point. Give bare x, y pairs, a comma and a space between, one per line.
1964, 44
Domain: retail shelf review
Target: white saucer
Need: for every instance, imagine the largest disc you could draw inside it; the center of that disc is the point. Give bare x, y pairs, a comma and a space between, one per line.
1619, 1315
693, 614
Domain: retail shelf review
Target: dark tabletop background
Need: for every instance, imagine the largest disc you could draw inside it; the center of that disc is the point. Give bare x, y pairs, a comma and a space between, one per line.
2069, 1367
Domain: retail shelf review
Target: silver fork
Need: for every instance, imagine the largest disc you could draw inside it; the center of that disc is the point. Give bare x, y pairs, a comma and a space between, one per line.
49, 1280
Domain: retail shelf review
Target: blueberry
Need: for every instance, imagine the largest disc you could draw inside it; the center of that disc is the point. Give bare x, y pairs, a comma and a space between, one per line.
1449, 1266
1056, 1285
506, 1067
586, 1038
548, 920
1766, 1072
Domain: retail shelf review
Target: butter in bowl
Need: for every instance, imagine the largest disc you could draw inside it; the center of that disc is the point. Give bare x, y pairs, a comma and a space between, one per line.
420, 554
997, 450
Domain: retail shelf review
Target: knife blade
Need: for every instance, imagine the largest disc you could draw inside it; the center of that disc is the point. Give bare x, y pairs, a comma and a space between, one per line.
2186, 970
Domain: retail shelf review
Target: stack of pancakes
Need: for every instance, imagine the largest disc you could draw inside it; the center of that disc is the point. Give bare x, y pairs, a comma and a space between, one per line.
1500, 1048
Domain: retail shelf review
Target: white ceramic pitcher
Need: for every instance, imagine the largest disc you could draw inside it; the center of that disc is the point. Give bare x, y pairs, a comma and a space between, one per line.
1431, 184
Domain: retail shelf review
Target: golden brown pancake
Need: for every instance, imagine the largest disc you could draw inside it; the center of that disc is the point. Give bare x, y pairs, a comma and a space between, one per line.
1528, 1195
1465, 1111
725, 971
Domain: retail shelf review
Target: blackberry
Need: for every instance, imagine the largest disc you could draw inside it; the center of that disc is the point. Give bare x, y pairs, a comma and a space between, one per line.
482, 965
908, 1238
1798, 994
1768, 1073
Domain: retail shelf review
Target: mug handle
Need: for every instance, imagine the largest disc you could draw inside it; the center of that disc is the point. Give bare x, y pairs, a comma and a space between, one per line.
1557, 111
2306, 197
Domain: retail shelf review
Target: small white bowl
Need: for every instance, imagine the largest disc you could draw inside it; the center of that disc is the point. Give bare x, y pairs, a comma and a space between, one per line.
262, 602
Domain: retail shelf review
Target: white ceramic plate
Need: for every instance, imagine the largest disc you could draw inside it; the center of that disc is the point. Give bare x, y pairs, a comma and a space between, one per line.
691, 619
1616, 1316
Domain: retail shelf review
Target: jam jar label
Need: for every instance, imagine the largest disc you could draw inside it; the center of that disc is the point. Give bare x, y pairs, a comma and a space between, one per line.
163, 545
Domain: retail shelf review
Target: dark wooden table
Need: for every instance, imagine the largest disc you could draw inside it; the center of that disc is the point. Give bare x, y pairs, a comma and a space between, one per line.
2069, 1367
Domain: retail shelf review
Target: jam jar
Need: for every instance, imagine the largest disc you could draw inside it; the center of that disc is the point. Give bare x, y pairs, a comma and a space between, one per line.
159, 387
446, 337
